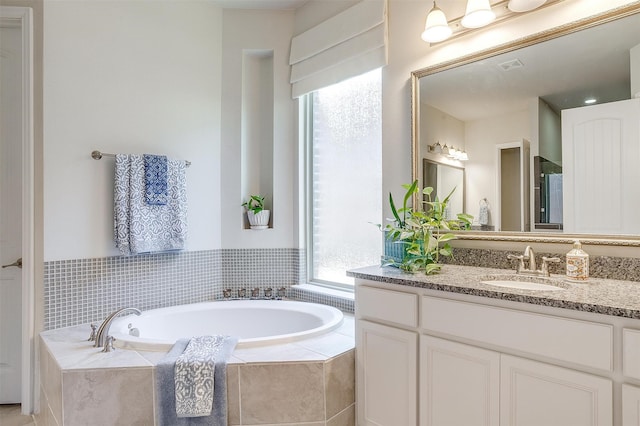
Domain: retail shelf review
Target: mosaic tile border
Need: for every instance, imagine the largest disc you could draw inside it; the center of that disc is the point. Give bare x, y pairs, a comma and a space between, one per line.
84, 290
79, 291
307, 295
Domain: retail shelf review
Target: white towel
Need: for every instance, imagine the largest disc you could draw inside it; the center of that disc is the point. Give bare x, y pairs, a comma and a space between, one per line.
143, 228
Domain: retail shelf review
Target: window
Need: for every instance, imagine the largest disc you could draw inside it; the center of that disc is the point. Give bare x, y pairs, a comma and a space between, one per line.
344, 178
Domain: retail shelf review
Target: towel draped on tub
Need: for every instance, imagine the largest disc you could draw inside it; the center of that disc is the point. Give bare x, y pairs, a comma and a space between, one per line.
143, 228
191, 382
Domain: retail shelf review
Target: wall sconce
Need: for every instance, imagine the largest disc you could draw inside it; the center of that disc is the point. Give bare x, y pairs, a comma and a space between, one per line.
479, 13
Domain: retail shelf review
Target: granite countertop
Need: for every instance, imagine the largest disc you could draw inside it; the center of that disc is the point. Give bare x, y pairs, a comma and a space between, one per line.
597, 295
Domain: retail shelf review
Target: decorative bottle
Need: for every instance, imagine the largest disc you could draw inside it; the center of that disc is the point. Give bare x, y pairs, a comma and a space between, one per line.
577, 263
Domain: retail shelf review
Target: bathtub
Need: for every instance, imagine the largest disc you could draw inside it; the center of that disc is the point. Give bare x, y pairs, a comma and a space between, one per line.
254, 322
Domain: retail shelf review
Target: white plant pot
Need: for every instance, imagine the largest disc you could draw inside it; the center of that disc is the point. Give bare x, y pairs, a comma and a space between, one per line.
260, 220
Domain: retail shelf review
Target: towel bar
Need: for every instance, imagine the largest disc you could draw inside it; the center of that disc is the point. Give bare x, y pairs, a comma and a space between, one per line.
97, 155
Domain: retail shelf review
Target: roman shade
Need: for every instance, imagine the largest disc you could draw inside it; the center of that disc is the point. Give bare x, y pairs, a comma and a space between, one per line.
345, 45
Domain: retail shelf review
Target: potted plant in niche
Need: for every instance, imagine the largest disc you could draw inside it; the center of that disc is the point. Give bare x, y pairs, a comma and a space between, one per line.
415, 239
256, 213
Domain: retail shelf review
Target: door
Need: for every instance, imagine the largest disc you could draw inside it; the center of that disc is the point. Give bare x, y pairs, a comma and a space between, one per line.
459, 384
630, 405
600, 156
11, 119
533, 394
386, 369
512, 161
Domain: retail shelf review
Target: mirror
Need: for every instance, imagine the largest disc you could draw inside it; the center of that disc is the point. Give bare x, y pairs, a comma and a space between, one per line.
518, 94
444, 179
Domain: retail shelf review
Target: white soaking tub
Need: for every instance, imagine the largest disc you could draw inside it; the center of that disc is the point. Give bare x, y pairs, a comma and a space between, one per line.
254, 322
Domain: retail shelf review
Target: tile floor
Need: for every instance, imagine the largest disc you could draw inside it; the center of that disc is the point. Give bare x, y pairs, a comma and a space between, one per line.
10, 416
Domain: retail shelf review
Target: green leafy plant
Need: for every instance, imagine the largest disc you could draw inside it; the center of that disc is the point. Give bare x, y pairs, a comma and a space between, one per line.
255, 204
425, 234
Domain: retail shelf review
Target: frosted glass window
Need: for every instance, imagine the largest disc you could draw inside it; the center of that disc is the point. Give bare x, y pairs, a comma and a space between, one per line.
346, 177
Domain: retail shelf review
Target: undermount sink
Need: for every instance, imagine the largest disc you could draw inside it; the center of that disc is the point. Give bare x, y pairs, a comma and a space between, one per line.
524, 282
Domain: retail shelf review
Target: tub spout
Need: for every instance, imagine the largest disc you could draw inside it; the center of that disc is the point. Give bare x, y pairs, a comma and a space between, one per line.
103, 331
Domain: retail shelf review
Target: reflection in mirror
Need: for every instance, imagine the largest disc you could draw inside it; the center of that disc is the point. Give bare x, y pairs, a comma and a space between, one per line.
577, 174
444, 178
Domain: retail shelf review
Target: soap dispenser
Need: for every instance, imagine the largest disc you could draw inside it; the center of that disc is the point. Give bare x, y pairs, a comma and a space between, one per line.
577, 263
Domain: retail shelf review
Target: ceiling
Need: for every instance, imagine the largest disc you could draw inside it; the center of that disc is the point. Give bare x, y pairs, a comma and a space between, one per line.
260, 4
563, 72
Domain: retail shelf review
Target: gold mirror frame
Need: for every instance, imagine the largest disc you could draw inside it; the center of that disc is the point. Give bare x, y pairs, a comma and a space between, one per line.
529, 237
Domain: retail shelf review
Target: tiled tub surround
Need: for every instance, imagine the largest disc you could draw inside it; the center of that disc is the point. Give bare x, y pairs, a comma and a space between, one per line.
597, 295
615, 268
308, 382
83, 290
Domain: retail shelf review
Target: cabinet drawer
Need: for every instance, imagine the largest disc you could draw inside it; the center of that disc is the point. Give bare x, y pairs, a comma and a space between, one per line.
631, 353
387, 305
581, 342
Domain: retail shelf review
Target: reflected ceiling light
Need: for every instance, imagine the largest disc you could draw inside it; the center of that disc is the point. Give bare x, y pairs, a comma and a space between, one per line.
478, 14
436, 27
590, 101
524, 5
436, 148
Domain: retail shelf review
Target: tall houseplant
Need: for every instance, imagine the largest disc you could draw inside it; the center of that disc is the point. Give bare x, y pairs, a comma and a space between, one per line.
424, 235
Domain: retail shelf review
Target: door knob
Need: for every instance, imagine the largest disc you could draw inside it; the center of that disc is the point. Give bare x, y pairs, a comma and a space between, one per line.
17, 263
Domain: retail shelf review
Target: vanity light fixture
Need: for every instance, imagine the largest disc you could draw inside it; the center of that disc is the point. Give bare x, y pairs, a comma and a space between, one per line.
450, 152
478, 14
436, 27
520, 6
436, 148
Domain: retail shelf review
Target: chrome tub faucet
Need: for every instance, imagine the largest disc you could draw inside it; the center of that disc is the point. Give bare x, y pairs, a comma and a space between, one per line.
103, 331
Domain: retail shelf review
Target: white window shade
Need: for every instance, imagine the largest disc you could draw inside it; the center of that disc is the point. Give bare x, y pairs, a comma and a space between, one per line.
348, 44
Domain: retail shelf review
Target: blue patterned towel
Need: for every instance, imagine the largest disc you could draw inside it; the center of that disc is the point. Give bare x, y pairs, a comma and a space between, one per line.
143, 228
155, 179
176, 382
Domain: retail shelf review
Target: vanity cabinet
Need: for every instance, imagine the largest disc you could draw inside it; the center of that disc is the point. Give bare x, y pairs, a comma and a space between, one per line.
387, 375
535, 393
459, 384
630, 405
387, 358
486, 365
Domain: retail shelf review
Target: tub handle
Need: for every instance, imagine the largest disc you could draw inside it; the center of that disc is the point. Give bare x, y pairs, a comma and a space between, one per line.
92, 336
255, 293
226, 293
268, 292
242, 293
108, 344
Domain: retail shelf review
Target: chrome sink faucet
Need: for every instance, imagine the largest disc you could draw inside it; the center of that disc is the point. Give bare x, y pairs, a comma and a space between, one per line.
103, 331
530, 256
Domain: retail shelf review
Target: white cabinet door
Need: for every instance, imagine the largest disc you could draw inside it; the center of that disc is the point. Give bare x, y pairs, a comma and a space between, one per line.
630, 405
600, 153
534, 394
386, 369
459, 384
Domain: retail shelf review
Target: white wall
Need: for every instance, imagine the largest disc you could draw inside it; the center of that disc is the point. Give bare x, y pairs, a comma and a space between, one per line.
481, 137
127, 77
258, 30
407, 52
